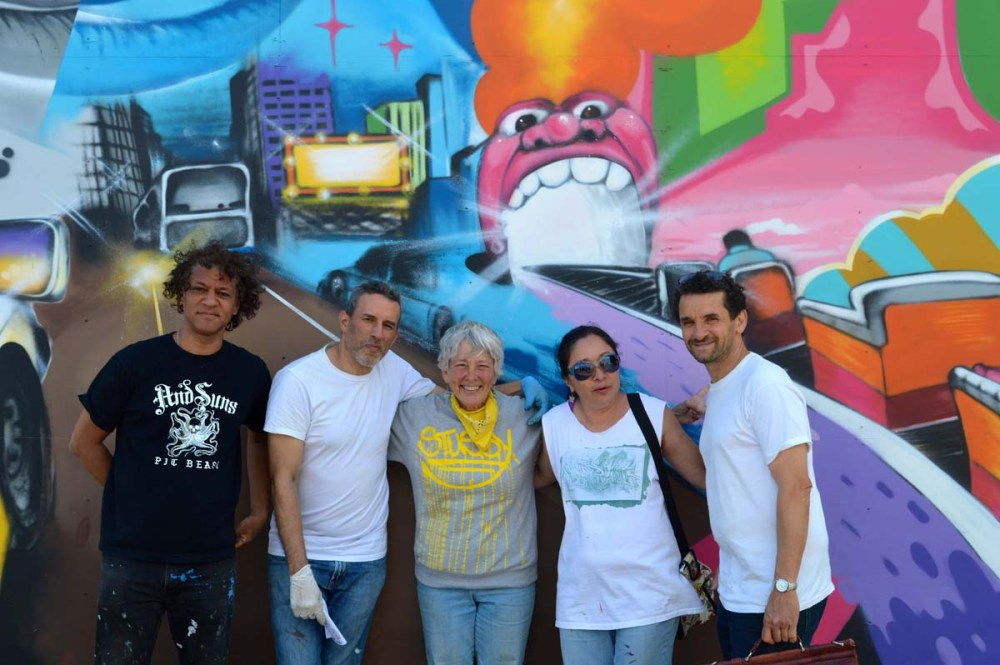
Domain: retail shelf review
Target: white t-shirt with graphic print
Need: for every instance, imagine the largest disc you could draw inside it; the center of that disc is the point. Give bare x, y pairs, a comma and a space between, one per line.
344, 421
618, 562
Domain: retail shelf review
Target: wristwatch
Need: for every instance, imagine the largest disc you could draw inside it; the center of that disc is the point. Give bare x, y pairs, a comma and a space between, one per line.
781, 585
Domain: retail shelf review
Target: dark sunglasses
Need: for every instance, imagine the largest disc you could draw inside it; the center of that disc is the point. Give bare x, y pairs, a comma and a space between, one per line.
715, 276
583, 370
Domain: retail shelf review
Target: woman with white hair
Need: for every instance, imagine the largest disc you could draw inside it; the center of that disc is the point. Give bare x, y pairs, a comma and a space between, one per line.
471, 456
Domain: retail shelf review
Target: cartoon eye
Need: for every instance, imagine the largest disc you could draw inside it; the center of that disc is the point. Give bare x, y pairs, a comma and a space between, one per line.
522, 119
590, 109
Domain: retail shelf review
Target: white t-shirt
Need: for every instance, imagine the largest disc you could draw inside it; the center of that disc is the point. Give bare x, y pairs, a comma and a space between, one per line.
618, 562
754, 413
344, 421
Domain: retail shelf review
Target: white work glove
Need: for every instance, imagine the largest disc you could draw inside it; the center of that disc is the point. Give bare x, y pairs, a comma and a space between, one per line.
307, 601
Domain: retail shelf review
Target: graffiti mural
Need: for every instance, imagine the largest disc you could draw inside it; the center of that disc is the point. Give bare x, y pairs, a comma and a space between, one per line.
534, 165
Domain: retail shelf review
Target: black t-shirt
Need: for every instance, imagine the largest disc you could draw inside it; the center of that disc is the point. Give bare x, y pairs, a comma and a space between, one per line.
175, 476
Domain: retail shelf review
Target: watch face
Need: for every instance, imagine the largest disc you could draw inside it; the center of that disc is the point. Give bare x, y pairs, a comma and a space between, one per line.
781, 585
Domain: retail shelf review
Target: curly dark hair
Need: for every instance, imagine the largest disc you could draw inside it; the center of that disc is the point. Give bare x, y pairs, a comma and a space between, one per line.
712, 281
241, 268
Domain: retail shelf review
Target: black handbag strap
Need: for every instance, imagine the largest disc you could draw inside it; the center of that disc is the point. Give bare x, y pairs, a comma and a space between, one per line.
641, 417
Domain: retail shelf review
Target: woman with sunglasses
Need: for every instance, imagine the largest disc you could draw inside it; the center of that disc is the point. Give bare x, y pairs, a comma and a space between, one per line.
471, 456
620, 593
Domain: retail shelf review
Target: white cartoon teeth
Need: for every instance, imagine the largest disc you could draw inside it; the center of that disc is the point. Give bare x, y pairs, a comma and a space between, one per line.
554, 174
583, 170
518, 198
530, 184
589, 170
618, 178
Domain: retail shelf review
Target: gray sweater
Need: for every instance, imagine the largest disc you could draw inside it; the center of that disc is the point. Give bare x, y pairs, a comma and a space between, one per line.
475, 509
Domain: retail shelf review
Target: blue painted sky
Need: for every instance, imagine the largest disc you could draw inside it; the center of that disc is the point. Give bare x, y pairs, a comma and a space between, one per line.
177, 58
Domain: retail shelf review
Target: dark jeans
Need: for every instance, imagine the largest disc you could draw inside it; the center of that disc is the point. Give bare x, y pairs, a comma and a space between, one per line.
198, 600
738, 632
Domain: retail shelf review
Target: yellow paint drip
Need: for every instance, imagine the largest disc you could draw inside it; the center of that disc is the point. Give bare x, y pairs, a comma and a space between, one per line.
457, 474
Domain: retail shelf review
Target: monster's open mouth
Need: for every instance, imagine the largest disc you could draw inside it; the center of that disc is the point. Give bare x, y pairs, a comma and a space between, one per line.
576, 210
583, 170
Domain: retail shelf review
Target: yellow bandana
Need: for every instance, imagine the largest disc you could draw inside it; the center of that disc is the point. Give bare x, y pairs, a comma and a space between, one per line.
478, 424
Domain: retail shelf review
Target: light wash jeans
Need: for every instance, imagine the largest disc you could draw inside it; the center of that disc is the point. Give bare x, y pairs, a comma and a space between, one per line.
641, 645
466, 626
350, 589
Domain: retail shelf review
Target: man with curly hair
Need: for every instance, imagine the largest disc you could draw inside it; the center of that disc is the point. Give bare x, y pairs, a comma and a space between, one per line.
177, 403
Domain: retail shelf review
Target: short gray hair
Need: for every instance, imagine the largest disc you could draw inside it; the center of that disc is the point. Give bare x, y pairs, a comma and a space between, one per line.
478, 336
373, 287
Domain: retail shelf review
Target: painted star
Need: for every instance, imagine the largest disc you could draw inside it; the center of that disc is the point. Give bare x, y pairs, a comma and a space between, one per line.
333, 26
396, 46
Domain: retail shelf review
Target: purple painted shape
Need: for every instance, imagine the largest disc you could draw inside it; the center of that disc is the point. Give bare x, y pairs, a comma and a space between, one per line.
925, 593
901, 560
25, 239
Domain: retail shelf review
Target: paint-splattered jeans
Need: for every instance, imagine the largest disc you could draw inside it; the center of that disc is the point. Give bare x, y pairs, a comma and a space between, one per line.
198, 600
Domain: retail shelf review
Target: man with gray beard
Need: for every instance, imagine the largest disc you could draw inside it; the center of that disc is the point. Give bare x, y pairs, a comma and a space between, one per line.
328, 423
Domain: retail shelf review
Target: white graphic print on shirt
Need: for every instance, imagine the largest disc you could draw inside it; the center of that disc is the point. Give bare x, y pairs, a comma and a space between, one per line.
611, 476
193, 430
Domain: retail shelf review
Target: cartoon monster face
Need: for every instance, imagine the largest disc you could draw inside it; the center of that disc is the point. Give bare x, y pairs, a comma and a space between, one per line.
573, 183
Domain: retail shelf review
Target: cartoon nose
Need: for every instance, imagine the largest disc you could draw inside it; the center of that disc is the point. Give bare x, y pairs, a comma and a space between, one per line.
556, 129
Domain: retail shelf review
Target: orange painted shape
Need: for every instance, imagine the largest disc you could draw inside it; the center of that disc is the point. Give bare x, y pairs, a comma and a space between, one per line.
857, 357
768, 292
925, 340
551, 49
981, 426
952, 240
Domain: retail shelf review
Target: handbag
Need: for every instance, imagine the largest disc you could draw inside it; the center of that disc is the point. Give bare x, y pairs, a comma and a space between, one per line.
696, 572
835, 653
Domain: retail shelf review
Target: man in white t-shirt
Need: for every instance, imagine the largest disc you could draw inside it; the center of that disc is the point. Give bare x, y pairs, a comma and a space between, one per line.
328, 422
765, 510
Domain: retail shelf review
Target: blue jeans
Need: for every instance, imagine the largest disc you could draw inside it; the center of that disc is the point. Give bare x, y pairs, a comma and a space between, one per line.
642, 645
350, 589
738, 632
133, 595
466, 626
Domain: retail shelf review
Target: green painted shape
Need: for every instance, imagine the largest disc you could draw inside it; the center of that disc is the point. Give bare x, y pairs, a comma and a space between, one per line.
747, 75
685, 141
807, 16
373, 125
979, 52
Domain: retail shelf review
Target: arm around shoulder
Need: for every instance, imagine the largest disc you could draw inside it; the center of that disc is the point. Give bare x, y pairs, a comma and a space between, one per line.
681, 451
